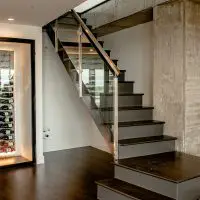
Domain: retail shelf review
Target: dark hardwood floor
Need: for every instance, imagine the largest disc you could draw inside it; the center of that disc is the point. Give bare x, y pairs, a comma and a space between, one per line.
66, 175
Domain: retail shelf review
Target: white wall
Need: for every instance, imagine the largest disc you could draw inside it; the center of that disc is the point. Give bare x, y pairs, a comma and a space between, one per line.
65, 114
23, 77
134, 49
35, 33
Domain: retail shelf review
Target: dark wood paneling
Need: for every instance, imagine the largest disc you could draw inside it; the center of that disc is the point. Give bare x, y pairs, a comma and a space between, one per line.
126, 22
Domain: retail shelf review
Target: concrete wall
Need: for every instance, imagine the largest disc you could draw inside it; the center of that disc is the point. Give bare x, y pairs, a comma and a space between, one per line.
65, 114
133, 48
35, 33
169, 69
192, 77
117, 9
176, 72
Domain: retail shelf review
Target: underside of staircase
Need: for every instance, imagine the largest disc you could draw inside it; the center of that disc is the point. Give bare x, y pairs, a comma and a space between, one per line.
148, 168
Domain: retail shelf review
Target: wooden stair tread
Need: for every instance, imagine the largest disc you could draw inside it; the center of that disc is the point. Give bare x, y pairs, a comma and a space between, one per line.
126, 81
121, 82
123, 94
128, 108
152, 139
138, 123
175, 167
75, 44
131, 191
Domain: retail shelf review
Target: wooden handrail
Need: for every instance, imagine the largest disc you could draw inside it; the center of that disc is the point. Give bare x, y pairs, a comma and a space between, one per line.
115, 70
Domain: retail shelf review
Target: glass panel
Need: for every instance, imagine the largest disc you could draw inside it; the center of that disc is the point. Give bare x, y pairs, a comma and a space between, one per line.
98, 80
96, 76
68, 35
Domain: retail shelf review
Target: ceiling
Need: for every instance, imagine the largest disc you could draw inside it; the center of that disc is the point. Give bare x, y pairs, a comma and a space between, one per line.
34, 12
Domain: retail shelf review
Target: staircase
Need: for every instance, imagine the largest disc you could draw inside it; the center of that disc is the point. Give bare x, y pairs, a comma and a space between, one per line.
147, 166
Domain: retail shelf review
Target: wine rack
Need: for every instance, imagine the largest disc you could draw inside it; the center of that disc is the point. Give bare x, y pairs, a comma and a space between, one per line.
7, 133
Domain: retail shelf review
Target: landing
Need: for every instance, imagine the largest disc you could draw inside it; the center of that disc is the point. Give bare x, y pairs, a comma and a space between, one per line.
174, 167
67, 175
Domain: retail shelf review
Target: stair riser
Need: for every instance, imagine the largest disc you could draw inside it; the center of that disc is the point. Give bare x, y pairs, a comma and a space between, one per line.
146, 149
140, 131
125, 88
129, 115
107, 101
121, 88
121, 77
106, 194
188, 190
148, 182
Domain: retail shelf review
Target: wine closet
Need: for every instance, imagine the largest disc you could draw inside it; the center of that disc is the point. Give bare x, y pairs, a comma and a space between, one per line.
7, 132
17, 109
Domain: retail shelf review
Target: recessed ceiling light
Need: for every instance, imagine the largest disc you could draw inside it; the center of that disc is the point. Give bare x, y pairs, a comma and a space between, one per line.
11, 19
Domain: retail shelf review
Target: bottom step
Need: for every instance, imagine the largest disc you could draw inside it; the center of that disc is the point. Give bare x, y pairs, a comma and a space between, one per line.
119, 190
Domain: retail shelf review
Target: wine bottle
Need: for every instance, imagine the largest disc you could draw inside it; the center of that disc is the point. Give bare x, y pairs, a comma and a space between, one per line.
5, 137
6, 119
9, 82
6, 131
6, 89
6, 107
5, 114
2, 143
11, 144
6, 101
6, 95
6, 125
11, 137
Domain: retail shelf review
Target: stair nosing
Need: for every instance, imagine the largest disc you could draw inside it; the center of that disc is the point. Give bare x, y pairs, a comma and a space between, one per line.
127, 108
123, 94
157, 176
125, 194
147, 173
126, 81
75, 44
165, 138
115, 190
153, 122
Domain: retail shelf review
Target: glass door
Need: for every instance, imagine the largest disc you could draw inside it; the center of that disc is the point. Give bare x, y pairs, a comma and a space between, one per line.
16, 104
7, 132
